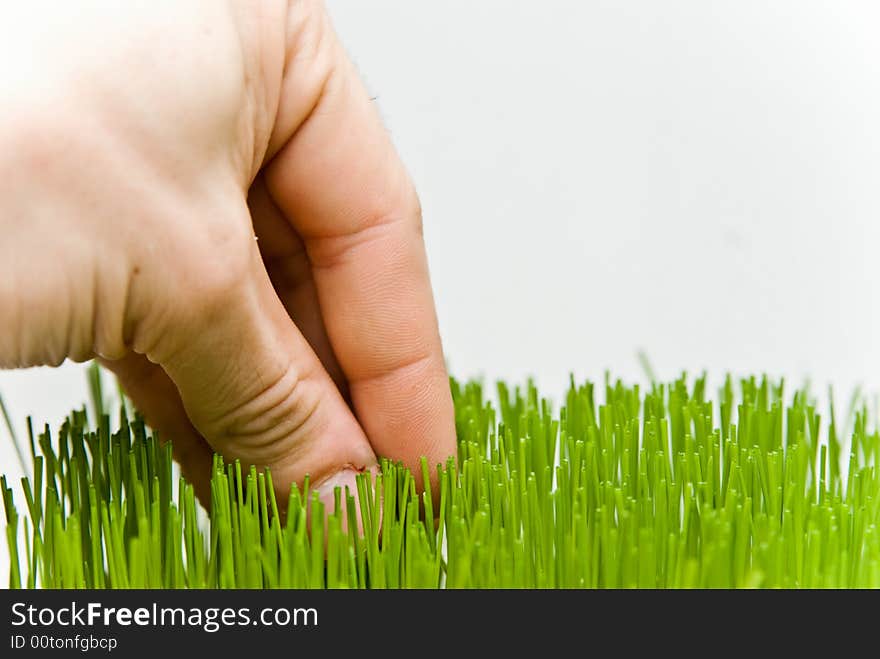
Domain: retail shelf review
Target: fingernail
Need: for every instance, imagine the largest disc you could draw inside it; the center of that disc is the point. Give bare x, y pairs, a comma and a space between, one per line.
344, 478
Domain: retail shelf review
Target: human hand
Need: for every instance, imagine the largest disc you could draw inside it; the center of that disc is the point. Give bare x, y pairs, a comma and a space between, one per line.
200, 194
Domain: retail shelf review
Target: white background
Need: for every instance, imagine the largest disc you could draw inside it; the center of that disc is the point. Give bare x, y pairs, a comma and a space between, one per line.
695, 178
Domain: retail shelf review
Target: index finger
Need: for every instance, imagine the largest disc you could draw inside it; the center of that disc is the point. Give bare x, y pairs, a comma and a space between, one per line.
340, 182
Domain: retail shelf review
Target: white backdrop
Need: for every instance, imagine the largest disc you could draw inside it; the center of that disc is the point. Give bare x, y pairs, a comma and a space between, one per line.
695, 178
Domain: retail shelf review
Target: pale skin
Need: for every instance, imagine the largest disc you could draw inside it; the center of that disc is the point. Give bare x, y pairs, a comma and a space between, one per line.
201, 195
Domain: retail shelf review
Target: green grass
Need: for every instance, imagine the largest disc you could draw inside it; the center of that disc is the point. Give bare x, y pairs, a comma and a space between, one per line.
654, 489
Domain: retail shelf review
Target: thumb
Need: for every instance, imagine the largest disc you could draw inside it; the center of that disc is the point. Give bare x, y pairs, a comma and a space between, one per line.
250, 382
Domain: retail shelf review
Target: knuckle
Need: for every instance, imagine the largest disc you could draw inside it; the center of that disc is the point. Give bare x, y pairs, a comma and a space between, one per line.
310, 23
388, 226
272, 422
310, 36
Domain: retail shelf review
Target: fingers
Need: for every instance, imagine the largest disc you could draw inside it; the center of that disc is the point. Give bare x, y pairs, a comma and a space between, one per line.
248, 380
287, 264
339, 181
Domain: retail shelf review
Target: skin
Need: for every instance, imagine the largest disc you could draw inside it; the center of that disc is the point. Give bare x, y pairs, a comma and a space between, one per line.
200, 194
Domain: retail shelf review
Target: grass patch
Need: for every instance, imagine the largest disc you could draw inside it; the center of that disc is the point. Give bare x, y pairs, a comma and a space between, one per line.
657, 489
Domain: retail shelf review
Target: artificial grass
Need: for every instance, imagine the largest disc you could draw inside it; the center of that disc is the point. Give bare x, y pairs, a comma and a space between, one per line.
661, 489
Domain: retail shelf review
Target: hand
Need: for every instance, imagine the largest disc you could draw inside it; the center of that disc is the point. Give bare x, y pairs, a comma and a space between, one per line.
200, 194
